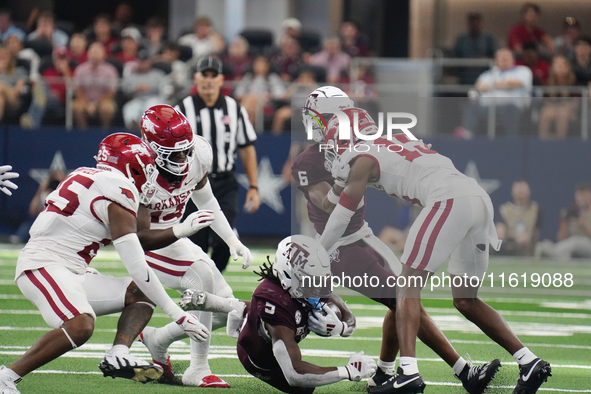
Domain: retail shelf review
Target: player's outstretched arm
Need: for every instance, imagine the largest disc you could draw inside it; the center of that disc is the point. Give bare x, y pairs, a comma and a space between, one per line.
299, 373
123, 226
349, 200
205, 200
156, 239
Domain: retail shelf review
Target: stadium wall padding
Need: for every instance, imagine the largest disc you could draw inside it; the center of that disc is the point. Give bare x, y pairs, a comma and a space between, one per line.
552, 168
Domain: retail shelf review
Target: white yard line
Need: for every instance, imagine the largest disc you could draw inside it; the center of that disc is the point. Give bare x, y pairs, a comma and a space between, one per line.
429, 383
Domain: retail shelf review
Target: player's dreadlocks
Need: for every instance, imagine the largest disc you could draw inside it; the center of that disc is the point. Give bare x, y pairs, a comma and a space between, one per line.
266, 272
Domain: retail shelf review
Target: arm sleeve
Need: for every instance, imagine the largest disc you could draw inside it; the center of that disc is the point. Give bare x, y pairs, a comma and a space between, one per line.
296, 379
132, 255
338, 222
204, 199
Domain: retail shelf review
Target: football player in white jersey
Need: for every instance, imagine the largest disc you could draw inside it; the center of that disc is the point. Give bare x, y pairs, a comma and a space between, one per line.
456, 221
93, 207
183, 161
368, 256
5, 184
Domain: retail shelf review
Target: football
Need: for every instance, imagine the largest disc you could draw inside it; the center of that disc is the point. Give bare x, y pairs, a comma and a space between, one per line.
336, 309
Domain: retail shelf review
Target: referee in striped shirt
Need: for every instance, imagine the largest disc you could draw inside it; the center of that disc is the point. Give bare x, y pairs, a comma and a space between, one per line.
223, 122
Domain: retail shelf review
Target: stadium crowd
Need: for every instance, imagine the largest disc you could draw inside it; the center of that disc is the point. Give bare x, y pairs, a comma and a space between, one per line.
118, 70
531, 58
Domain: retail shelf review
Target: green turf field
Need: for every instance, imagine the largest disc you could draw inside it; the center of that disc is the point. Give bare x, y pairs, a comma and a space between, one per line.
557, 329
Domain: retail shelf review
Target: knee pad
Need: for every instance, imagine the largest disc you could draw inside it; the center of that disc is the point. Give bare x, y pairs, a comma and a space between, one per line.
199, 276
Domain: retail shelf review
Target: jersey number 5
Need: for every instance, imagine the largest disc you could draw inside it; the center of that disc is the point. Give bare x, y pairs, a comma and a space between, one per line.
67, 200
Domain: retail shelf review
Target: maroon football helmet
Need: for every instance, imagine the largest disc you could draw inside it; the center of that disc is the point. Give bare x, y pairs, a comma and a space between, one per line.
132, 157
167, 131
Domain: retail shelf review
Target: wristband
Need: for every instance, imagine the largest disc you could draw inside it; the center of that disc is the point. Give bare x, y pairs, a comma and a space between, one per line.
254, 187
344, 373
332, 196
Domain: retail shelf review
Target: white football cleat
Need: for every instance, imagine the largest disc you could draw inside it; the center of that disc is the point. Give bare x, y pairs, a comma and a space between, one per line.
130, 367
197, 377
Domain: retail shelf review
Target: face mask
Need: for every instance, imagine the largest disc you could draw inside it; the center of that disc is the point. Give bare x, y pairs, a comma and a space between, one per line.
315, 302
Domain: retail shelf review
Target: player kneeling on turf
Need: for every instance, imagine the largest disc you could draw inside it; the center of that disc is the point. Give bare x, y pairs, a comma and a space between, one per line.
281, 313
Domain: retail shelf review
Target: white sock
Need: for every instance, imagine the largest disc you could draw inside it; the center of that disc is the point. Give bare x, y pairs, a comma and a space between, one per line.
200, 349
8, 374
119, 350
459, 366
524, 356
388, 367
168, 334
215, 303
409, 365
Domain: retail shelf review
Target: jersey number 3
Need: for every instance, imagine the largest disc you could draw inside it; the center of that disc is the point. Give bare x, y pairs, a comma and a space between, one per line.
67, 201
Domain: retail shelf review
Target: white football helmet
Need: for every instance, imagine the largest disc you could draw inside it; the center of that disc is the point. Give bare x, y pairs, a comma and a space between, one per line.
324, 100
303, 268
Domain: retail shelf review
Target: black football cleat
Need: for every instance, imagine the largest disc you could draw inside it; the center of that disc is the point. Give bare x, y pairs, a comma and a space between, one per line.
531, 376
130, 367
377, 379
476, 378
401, 384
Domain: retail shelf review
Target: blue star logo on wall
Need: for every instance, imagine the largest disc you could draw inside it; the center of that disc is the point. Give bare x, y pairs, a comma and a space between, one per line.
270, 185
57, 164
489, 185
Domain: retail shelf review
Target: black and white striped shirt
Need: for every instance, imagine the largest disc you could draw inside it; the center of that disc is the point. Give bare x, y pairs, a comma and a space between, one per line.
225, 126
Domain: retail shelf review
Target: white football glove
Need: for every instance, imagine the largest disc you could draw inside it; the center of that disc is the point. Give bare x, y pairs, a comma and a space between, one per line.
193, 223
238, 249
191, 299
235, 320
325, 322
340, 172
193, 328
360, 366
348, 331
5, 175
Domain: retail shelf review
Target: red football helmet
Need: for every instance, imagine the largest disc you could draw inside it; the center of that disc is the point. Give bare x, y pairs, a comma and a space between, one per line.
132, 157
334, 144
167, 131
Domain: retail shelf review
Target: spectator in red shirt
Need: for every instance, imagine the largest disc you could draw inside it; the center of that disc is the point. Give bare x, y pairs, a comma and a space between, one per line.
528, 30
352, 42
538, 66
77, 52
237, 60
130, 42
288, 59
103, 33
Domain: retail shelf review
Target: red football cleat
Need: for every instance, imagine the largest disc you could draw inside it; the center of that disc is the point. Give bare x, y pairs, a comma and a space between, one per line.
213, 381
168, 375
